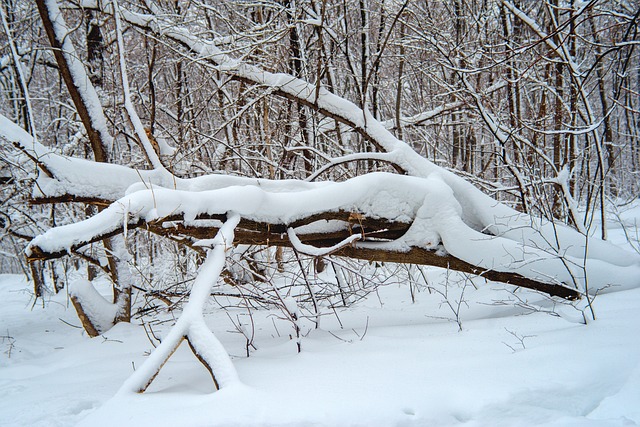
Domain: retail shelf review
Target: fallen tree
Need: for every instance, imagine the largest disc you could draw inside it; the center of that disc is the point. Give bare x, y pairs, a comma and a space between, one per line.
398, 219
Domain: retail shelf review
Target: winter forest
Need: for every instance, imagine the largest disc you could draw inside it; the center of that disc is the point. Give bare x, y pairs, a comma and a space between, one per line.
230, 206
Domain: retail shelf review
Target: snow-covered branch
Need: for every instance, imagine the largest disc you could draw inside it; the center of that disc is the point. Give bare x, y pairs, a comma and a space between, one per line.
191, 325
72, 69
428, 205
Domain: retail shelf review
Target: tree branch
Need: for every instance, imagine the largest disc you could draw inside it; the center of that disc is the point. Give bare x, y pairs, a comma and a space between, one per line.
250, 232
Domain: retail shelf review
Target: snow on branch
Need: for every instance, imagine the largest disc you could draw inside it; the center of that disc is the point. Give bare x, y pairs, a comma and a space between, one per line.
379, 195
82, 91
74, 179
479, 211
191, 325
428, 205
318, 252
134, 119
425, 117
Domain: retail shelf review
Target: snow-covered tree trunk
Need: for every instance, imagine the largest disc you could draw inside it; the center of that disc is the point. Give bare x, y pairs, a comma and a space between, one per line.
87, 103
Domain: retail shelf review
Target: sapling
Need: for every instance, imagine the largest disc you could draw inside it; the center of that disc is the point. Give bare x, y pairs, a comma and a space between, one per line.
519, 340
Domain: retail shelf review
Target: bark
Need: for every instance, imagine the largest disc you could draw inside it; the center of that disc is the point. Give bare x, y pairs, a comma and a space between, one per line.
400, 82
95, 48
84, 96
256, 233
86, 321
604, 102
94, 132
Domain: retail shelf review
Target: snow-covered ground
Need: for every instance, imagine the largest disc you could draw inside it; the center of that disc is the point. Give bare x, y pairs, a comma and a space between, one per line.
384, 362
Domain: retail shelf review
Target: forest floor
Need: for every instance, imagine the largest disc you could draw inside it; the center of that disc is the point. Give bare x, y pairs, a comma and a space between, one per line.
387, 361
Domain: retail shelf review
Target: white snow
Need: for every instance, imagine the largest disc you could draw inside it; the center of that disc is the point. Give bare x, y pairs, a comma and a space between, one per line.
386, 362
97, 308
393, 366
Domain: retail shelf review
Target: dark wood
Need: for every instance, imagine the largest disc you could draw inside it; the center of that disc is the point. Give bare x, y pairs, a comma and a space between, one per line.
250, 232
70, 198
426, 257
37, 253
95, 138
87, 324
